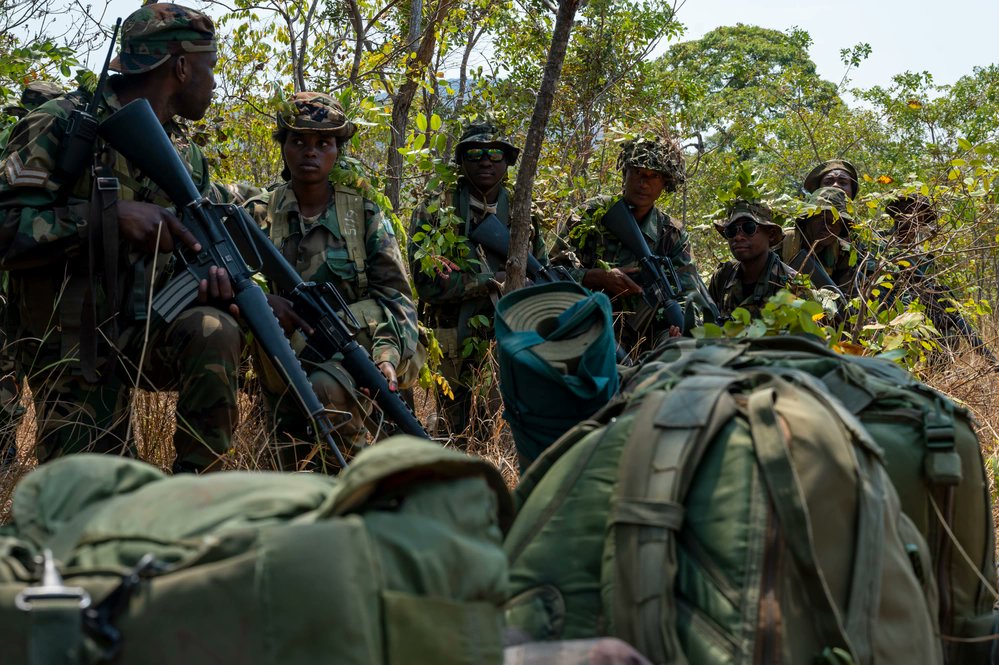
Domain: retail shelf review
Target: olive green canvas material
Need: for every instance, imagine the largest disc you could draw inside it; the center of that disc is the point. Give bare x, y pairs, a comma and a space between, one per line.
932, 456
261, 567
711, 516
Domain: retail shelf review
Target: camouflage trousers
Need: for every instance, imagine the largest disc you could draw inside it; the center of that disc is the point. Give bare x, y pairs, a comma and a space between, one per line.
350, 410
197, 355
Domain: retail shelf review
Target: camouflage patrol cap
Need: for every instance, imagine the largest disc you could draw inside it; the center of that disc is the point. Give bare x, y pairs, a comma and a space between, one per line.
827, 198
659, 154
757, 212
484, 135
37, 93
316, 112
813, 180
150, 35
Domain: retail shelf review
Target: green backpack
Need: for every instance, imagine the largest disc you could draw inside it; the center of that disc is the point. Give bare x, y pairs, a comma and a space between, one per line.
255, 568
932, 456
715, 517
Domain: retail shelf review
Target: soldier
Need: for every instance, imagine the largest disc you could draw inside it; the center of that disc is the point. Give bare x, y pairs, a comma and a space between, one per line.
456, 292
915, 221
34, 95
333, 234
601, 262
837, 173
83, 252
757, 273
821, 244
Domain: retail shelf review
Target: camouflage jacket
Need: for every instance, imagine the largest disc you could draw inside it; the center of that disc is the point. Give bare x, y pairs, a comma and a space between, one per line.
590, 245
729, 292
452, 298
36, 228
319, 252
838, 260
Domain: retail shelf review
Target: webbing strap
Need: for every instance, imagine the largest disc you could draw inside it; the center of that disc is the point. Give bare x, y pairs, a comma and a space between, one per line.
56, 633
789, 503
350, 214
671, 431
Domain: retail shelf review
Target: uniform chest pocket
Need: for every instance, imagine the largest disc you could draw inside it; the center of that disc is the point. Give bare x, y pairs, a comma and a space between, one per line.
339, 263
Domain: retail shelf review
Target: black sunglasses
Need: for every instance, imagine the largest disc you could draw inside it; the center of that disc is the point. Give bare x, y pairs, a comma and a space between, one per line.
747, 227
476, 154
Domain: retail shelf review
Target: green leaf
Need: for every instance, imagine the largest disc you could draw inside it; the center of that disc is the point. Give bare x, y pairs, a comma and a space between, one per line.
421, 122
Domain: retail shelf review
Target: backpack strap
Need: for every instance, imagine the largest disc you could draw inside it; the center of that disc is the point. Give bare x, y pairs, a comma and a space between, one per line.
672, 429
853, 632
350, 214
278, 228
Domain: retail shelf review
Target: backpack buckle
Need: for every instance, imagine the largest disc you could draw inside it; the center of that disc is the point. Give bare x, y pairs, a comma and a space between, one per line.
50, 588
107, 184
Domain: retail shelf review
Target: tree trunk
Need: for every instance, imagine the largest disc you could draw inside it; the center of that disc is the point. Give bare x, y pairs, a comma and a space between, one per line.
402, 102
520, 214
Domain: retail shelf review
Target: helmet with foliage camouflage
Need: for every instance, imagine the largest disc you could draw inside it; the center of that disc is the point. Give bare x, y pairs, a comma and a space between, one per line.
757, 212
813, 180
827, 198
483, 135
37, 93
661, 154
315, 112
150, 35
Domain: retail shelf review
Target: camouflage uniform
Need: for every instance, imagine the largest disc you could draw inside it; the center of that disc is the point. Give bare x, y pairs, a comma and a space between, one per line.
451, 298
34, 95
79, 368
798, 252
727, 288
590, 245
353, 246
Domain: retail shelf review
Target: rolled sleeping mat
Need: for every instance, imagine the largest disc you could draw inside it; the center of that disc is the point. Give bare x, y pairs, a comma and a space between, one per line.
557, 358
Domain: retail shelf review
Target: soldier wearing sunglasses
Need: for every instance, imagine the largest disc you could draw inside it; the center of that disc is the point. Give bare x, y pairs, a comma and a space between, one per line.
456, 288
756, 273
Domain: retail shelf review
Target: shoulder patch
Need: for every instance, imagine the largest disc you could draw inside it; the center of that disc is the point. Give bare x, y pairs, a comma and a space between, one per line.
18, 175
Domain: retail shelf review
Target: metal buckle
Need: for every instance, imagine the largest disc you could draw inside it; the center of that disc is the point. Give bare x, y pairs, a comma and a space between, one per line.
107, 184
51, 588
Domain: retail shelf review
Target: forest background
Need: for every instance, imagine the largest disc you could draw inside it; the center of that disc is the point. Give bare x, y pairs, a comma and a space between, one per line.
741, 99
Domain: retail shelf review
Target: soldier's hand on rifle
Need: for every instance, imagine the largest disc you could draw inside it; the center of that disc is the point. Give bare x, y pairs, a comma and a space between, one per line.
150, 228
217, 289
388, 371
615, 282
286, 315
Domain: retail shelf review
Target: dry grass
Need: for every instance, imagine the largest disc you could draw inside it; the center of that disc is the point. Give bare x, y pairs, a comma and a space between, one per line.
966, 377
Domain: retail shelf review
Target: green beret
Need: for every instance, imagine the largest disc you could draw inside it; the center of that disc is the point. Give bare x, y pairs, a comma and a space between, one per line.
814, 178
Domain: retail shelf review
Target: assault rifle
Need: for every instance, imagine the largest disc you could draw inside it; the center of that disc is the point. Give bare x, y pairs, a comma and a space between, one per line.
661, 287
81, 131
494, 237
156, 156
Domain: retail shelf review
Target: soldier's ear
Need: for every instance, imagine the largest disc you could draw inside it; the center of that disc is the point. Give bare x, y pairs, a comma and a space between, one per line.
181, 67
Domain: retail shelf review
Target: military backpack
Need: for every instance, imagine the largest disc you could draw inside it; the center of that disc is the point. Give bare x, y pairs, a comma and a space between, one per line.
712, 516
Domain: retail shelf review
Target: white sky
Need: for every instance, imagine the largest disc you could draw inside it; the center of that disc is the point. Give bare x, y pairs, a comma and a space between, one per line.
946, 39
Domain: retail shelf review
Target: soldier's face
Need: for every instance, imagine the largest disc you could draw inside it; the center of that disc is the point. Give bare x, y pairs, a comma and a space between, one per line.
310, 156
199, 85
643, 187
748, 247
484, 173
839, 179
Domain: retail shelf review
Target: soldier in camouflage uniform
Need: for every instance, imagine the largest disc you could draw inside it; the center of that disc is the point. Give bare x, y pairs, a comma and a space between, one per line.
837, 173
333, 234
454, 291
34, 95
757, 273
82, 254
599, 261
821, 244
